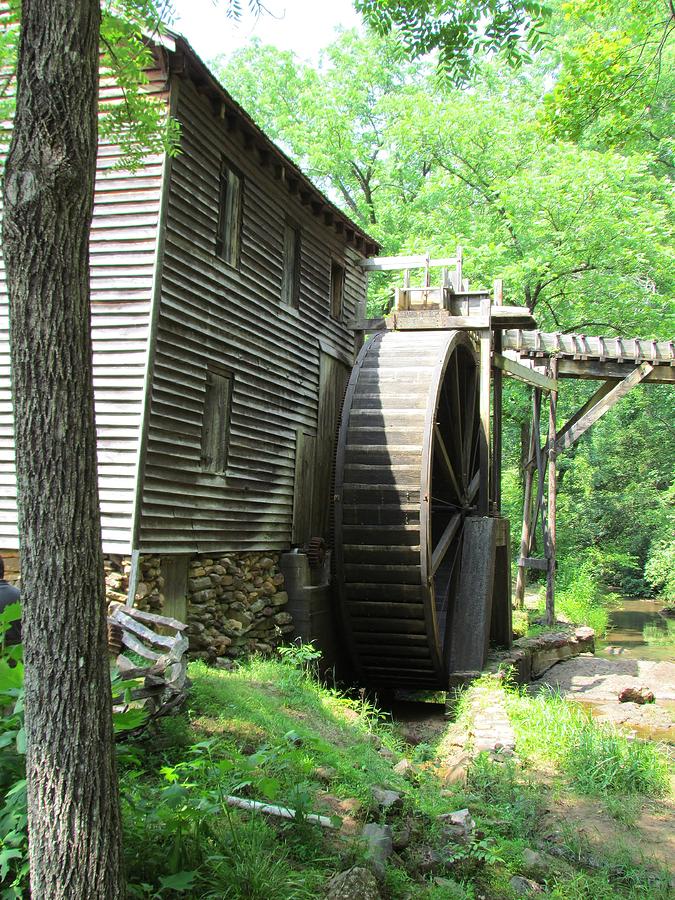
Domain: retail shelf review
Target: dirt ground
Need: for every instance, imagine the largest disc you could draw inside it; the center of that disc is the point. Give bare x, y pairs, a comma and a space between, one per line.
650, 838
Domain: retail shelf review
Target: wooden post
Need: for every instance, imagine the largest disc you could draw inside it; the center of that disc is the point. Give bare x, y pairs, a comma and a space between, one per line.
551, 505
525, 539
496, 478
484, 400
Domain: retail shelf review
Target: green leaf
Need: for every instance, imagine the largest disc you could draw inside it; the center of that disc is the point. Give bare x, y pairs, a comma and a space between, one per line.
269, 787
11, 677
5, 857
181, 881
129, 720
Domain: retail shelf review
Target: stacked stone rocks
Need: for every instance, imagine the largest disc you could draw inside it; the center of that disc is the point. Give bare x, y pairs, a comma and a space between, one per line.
236, 606
149, 595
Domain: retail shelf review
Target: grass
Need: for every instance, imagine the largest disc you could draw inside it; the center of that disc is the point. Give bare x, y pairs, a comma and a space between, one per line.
580, 597
269, 731
597, 759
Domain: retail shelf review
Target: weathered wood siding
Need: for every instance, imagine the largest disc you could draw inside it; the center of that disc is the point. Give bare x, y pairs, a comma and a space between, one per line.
123, 248
211, 313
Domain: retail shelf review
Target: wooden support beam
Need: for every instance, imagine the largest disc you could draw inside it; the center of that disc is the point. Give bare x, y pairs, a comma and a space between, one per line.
593, 370
521, 578
572, 432
376, 324
484, 407
533, 562
551, 505
496, 476
523, 373
541, 475
602, 391
470, 632
587, 348
501, 623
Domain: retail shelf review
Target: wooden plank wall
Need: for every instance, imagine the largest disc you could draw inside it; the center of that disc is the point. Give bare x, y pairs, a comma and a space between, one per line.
212, 313
123, 246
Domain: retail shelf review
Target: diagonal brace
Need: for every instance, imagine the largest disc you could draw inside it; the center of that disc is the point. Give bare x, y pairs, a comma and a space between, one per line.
579, 424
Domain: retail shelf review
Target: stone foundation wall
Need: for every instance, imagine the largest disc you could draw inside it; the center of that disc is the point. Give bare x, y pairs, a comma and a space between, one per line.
235, 603
236, 606
10, 559
149, 586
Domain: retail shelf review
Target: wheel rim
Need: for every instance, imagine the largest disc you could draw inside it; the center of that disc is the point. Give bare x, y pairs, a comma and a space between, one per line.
455, 481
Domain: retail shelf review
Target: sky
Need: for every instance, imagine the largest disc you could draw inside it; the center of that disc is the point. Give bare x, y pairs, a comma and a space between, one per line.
304, 26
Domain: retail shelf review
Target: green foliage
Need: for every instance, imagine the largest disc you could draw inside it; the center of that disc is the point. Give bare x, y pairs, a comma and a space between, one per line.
660, 569
460, 32
262, 730
515, 802
580, 596
582, 235
299, 655
605, 762
13, 817
188, 831
13, 821
139, 125
616, 82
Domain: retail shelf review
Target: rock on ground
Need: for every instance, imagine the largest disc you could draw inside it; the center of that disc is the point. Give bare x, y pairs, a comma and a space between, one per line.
379, 846
636, 695
525, 887
353, 884
385, 799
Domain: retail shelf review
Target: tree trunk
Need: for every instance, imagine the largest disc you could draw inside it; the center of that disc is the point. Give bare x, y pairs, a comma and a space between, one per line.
73, 802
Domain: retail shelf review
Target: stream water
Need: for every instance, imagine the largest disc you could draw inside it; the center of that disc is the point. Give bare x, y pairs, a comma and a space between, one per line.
637, 630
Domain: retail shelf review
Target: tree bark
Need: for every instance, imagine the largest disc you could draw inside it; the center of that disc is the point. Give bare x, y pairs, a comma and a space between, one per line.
73, 801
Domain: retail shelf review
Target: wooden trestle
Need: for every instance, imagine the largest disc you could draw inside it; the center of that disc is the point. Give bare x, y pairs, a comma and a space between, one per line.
417, 493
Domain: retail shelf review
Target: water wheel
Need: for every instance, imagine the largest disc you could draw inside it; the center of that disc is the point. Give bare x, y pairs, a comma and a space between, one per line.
407, 476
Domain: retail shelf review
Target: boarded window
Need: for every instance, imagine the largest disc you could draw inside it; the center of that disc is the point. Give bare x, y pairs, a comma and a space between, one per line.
174, 573
228, 237
305, 447
290, 284
337, 288
216, 421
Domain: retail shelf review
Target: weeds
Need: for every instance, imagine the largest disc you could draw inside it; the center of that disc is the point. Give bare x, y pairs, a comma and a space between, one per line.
597, 759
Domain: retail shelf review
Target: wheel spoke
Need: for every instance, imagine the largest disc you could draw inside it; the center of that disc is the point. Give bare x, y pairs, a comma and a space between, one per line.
446, 463
441, 548
473, 488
